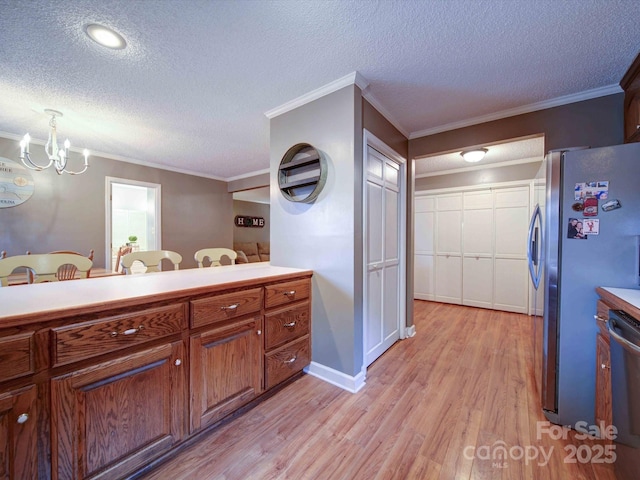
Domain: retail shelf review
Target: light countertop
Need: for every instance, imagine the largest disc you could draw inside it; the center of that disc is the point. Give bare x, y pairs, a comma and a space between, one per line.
627, 299
27, 300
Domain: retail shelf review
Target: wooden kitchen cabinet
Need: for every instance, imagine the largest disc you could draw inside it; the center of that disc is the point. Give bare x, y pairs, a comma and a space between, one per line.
603, 381
112, 418
226, 369
18, 434
603, 408
287, 339
630, 83
104, 389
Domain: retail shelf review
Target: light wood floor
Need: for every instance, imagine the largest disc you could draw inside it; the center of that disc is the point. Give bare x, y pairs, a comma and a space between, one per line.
434, 407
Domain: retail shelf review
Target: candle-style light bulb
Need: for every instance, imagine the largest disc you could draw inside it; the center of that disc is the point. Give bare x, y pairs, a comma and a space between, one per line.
27, 139
85, 152
67, 144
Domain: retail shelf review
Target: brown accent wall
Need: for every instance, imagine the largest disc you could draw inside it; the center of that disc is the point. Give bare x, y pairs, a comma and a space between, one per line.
68, 212
374, 121
255, 181
252, 209
511, 173
597, 123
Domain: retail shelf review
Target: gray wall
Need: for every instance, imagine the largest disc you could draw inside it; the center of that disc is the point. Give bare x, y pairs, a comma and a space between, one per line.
324, 235
252, 234
68, 212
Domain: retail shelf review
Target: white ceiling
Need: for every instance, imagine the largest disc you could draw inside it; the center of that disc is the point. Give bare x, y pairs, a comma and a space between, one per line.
191, 90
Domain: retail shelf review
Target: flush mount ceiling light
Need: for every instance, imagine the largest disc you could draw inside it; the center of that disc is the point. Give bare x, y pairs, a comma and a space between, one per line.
475, 155
105, 36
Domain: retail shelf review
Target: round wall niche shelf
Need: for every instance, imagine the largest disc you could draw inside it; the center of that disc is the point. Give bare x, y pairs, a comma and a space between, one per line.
302, 173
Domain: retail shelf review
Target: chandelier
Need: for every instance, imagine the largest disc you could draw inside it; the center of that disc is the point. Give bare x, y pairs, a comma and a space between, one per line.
57, 156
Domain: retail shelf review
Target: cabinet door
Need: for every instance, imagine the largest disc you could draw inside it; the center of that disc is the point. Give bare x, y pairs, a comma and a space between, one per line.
18, 434
603, 382
424, 259
226, 370
110, 419
511, 277
449, 279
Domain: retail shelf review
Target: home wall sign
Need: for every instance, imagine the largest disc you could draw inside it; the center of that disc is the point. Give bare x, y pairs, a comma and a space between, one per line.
251, 222
16, 183
302, 173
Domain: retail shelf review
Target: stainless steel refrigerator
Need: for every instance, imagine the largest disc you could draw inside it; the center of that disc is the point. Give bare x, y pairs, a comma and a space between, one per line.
584, 234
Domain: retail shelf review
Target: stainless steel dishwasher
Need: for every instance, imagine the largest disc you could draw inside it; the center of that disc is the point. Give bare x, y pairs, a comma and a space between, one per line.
625, 382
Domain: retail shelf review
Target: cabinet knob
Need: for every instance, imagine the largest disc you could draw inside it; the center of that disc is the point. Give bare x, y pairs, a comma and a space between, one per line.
259, 332
290, 360
290, 293
290, 325
178, 362
22, 418
604, 366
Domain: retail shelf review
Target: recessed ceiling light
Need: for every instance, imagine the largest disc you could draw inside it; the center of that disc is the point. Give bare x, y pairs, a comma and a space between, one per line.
105, 36
474, 155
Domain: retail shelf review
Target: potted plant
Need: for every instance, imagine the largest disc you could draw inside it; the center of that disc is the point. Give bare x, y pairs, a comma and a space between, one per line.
132, 240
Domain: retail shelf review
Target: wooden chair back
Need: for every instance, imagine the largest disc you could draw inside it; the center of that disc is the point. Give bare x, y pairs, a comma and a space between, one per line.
151, 259
214, 255
66, 271
122, 251
43, 267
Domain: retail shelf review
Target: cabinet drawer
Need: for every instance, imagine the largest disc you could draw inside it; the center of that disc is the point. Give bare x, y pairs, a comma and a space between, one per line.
88, 339
16, 355
286, 325
286, 361
287, 292
218, 308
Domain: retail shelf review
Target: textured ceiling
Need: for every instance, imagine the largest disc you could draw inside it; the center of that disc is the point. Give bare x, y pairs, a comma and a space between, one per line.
191, 90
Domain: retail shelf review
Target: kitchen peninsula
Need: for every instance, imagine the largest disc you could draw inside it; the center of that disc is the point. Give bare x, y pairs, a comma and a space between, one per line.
100, 378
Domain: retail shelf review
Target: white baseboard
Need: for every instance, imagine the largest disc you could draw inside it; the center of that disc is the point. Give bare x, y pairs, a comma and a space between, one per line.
410, 331
337, 378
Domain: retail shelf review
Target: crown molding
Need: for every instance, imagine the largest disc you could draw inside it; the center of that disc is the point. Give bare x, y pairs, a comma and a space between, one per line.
354, 78
118, 158
533, 107
384, 112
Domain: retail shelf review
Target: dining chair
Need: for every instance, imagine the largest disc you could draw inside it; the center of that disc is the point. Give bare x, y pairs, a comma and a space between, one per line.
66, 271
44, 267
214, 255
151, 259
122, 251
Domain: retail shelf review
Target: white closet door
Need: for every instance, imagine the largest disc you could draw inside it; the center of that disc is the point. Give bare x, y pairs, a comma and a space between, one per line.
449, 248
477, 247
511, 224
382, 303
424, 256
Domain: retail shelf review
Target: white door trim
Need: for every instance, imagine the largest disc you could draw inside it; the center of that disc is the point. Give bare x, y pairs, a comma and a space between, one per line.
107, 206
370, 140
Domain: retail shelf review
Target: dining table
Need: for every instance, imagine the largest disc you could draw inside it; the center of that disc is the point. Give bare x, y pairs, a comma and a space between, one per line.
20, 278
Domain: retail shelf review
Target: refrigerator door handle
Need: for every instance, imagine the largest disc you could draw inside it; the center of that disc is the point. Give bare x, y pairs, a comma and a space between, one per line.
533, 248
